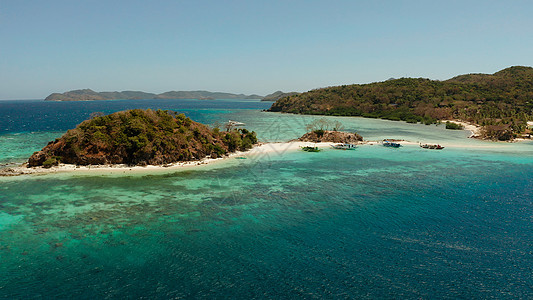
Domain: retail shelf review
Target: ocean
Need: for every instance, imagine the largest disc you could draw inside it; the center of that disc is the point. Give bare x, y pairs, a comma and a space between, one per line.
371, 223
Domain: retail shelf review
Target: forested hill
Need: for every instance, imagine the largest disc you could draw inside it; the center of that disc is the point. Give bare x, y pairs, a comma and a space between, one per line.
141, 137
502, 101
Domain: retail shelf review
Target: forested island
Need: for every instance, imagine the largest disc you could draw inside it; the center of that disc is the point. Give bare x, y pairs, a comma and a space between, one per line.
141, 137
501, 103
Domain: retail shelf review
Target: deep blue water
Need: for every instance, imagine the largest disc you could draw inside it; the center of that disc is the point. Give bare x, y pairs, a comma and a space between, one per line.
371, 223
38, 115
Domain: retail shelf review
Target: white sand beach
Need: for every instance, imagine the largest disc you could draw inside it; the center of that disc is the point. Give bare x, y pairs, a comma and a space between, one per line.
473, 128
259, 150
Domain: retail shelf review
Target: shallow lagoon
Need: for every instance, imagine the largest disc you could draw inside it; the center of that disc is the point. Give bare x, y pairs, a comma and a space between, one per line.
370, 223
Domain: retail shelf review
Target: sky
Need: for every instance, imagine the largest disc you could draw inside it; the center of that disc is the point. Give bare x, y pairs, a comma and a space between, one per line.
252, 47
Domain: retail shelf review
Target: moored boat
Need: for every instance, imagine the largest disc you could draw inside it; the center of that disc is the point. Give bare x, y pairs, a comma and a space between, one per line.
432, 146
344, 146
230, 125
387, 143
235, 123
310, 149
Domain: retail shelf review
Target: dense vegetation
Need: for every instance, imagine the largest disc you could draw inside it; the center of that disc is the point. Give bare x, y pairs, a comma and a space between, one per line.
454, 126
141, 137
501, 102
330, 136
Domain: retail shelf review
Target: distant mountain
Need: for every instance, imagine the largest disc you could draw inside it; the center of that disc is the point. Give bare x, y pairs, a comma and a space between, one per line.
88, 94
203, 95
278, 95
128, 95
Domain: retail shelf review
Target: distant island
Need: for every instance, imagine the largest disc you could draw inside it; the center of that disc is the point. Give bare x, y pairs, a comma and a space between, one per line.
141, 137
278, 95
502, 103
88, 94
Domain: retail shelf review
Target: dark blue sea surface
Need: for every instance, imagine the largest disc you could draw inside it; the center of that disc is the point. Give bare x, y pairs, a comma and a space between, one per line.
375, 222
27, 126
39, 115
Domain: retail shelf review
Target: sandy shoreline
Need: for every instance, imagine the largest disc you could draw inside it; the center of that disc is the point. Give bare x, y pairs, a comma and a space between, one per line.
263, 149
475, 130
112, 169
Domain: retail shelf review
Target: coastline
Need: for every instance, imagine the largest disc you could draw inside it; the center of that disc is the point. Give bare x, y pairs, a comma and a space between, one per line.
256, 151
111, 169
262, 149
475, 130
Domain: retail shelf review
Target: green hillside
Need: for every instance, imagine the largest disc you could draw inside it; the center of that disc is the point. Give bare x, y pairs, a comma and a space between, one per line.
141, 137
501, 102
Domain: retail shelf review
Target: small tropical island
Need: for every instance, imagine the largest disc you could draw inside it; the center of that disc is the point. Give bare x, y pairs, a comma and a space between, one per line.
501, 104
160, 139
330, 136
326, 131
141, 137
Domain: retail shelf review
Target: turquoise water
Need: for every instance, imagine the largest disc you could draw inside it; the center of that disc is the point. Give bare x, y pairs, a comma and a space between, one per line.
370, 223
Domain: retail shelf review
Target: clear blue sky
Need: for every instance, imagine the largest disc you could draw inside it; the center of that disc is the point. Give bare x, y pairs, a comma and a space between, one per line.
252, 46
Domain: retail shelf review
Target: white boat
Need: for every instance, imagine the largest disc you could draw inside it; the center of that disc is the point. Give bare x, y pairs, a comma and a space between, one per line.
344, 146
235, 123
230, 125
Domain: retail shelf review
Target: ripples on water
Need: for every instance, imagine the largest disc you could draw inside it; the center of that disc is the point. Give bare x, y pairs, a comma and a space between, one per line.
295, 228
369, 223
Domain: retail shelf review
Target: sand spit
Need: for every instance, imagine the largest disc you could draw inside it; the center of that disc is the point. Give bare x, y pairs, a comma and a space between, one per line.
263, 149
259, 150
475, 130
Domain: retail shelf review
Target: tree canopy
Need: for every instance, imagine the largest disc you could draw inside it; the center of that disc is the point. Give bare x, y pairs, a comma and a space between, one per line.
503, 98
141, 137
